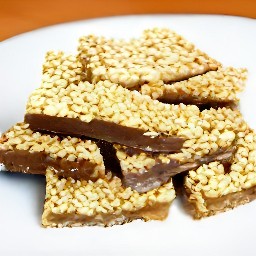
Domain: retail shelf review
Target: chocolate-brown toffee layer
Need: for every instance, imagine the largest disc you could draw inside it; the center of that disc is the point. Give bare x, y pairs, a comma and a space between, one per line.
160, 173
26, 151
108, 131
110, 159
190, 100
37, 163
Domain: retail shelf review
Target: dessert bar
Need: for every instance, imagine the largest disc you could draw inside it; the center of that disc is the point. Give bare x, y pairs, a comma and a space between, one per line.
105, 202
215, 187
22, 150
143, 171
214, 88
159, 54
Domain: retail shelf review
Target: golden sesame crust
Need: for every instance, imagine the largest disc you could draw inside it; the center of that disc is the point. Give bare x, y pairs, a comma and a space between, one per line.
61, 96
206, 186
216, 87
105, 202
62, 67
21, 138
110, 102
159, 54
224, 83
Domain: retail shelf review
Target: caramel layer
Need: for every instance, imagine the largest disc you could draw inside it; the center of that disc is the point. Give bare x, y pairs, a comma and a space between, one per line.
220, 204
37, 163
158, 211
104, 130
160, 173
206, 103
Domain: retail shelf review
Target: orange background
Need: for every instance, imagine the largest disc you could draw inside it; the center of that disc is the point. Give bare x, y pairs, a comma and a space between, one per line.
17, 16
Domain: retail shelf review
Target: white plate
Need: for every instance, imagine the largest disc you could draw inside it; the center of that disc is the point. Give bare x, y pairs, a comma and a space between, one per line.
230, 40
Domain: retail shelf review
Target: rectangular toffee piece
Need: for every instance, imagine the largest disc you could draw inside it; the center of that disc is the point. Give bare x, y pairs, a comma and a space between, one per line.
159, 54
144, 172
110, 112
22, 150
105, 202
214, 88
216, 188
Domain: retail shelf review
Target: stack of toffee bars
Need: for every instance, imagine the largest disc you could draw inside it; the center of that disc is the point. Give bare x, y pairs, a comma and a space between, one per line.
113, 126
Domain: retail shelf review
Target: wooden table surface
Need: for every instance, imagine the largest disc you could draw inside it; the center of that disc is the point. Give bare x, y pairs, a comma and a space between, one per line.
18, 16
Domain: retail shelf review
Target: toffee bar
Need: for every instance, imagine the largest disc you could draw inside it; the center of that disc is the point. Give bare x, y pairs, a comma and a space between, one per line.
216, 188
143, 172
113, 113
218, 88
105, 202
214, 88
22, 150
159, 54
